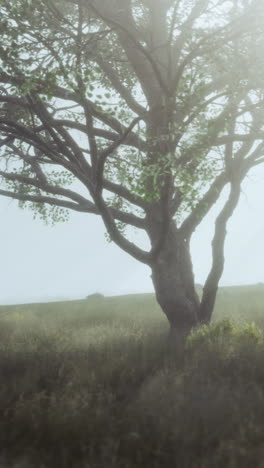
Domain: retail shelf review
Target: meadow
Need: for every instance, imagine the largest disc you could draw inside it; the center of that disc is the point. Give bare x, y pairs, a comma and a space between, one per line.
95, 384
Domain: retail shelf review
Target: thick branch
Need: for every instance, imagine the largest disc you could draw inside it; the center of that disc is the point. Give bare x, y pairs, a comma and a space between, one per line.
82, 203
64, 140
114, 233
144, 65
44, 199
40, 86
14, 100
131, 140
211, 285
46, 187
124, 193
55, 158
204, 205
108, 151
255, 157
250, 137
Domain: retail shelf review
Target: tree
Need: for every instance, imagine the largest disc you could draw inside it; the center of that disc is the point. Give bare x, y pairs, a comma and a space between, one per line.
140, 111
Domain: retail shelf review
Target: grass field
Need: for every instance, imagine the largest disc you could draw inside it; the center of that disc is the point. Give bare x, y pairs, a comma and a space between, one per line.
94, 384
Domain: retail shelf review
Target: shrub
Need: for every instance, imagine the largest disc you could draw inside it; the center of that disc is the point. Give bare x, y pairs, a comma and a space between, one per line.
95, 296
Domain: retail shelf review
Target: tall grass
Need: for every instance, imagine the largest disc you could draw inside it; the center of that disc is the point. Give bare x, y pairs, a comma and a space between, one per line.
94, 383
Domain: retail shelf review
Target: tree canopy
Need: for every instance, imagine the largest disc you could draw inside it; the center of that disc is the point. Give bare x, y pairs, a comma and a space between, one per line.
140, 111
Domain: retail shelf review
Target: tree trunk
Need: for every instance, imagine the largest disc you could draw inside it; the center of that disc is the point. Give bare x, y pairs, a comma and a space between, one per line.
173, 280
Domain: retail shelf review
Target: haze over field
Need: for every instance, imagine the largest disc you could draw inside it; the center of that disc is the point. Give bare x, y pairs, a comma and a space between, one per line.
72, 260
179, 86
146, 351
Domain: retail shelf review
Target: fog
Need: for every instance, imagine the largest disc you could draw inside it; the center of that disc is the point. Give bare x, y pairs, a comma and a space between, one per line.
72, 260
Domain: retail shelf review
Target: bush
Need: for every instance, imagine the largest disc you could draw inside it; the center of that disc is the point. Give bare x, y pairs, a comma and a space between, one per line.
95, 296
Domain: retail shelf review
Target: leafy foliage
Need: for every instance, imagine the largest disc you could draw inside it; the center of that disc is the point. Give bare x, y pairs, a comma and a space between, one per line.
77, 48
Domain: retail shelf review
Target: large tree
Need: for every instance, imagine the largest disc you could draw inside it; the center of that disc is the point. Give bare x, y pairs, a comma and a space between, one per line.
140, 111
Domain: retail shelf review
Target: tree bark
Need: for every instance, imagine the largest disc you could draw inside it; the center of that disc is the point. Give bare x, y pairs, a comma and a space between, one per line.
218, 243
173, 281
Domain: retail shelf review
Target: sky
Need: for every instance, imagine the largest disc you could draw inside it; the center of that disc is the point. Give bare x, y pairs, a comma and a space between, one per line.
72, 260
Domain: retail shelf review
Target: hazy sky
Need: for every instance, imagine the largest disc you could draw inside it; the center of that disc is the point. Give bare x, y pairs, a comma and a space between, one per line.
72, 260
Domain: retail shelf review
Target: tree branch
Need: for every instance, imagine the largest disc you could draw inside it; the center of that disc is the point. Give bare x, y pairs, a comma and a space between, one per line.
211, 284
228, 33
124, 193
40, 86
44, 199
250, 137
119, 87
204, 205
131, 140
186, 28
83, 204
46, 187
108, 151
116, 236
143, 63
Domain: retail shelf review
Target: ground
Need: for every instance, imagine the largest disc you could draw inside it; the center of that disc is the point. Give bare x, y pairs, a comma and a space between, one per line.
95, 384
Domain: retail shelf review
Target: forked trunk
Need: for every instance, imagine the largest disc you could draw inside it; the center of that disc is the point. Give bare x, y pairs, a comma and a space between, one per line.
173, 280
